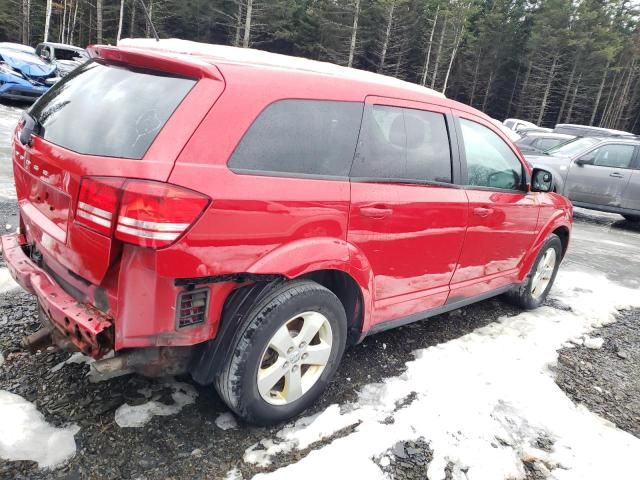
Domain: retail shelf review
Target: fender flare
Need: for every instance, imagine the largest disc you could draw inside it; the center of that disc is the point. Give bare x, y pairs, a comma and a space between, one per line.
321, 253
560, 219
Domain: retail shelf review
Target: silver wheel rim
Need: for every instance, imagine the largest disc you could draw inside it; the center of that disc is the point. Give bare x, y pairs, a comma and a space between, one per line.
543, 273
294, 358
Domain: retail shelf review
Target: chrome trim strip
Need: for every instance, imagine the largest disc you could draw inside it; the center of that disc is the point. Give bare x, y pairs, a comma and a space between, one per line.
157, 226
95, 210
93, 218
147, 234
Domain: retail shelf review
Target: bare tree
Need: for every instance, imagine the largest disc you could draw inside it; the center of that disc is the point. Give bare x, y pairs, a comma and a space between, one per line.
599, 95
120, 21
426, 62
439, 52
354, 33
99, 20
387, 36
247, 25
47, 20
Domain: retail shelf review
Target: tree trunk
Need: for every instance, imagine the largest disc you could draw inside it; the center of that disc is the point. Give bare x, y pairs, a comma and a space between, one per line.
475, 78
132, 24
120, 21
99, 20
608, 106
64, 19
150, 10
73, 24
247, 25
47, 21
568, 90
354, 34
513, 90
453, 56
525, 84
573, 99
387, 35
435, 67
487, 92
595, 107
605, 120
426, 62
25, 22
545, 97
236, 40
622, 103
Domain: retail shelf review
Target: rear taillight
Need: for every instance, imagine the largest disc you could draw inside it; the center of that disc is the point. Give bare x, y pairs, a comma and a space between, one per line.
149, 214
98, 202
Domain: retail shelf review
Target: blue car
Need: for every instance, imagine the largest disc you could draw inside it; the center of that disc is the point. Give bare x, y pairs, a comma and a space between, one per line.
23, 75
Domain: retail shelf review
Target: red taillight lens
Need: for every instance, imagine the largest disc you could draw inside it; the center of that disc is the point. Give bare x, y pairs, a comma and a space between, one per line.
145, 213
98, 203
155, 214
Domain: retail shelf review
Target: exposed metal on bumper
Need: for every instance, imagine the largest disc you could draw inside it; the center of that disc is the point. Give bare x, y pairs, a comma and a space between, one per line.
89, 329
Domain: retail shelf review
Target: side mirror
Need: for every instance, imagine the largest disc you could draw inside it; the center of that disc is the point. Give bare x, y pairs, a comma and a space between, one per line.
541, 181
581, 162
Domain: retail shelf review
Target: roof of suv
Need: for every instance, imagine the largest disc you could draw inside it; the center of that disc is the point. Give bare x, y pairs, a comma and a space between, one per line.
223, 54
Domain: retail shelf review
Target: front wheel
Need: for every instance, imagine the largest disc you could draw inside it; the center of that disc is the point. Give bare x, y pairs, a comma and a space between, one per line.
285, 353
533, 292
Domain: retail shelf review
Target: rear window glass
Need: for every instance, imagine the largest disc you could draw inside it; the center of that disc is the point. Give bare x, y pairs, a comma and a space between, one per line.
301, 137
108, 110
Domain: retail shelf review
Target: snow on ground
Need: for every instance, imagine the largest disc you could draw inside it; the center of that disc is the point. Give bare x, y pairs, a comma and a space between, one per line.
25, 435
482, 401
226, 421
7, 283
138, 415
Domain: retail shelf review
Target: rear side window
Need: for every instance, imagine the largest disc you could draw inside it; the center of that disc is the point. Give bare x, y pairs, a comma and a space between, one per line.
301, 137
490, 161
403, 144
108, 110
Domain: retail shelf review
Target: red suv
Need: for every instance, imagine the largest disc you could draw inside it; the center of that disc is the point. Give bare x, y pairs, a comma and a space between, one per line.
244, 216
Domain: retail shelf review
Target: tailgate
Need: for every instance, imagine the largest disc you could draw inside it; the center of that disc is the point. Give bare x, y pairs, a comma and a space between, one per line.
102, 120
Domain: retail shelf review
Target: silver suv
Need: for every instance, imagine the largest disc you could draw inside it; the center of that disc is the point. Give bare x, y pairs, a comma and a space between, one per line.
597, 173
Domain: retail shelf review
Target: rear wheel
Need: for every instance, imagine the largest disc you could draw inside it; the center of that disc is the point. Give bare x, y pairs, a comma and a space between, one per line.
533, 292
285, 353
632, 218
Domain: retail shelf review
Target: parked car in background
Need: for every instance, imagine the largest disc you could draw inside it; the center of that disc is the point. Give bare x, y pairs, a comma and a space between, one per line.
527, 130
516, 124
600, 173
588, 131
513, 136
246, 215
18, 46
539, 142
65, 57
23, 75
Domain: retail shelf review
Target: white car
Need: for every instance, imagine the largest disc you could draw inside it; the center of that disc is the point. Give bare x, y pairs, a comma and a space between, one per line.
516, 124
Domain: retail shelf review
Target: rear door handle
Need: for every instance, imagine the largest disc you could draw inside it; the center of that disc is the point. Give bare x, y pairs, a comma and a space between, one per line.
376, 211
616, 175
482, 211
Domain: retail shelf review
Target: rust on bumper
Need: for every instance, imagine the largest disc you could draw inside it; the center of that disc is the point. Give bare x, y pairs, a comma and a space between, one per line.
89, 329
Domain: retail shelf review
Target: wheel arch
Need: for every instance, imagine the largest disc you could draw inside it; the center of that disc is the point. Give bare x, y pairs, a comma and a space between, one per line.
559, 224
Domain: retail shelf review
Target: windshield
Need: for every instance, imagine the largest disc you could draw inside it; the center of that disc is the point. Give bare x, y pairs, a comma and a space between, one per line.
573, 147
107, 110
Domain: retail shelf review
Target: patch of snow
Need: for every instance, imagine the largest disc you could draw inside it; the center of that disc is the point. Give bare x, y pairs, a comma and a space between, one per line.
233, 474
128, 416
77, 357
226, 421
7, 283
1, 359
482, 402
303, 433
8, 191
25, 435
593, 342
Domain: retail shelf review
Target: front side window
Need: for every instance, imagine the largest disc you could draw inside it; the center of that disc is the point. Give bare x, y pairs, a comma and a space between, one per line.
108, 110
403, 144
301, 137
490, 161
617, 156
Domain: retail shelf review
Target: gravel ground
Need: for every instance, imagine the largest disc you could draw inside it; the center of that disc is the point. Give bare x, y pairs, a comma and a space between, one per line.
190, 445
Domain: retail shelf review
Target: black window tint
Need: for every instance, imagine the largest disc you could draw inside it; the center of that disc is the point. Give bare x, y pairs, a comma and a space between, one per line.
108, 110
312, 137
490, 161
403, 144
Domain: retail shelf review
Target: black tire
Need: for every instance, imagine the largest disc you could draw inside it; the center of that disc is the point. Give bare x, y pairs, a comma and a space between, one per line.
632, 218
237, 381
522, 296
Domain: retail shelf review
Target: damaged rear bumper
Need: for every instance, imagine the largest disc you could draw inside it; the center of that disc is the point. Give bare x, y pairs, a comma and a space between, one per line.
90, 330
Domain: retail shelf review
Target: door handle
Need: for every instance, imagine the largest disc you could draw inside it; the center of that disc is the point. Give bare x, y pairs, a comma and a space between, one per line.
616, 175
482, 211
376, 211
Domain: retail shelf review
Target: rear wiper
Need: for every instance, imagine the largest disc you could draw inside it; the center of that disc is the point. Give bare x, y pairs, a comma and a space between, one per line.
31, 126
